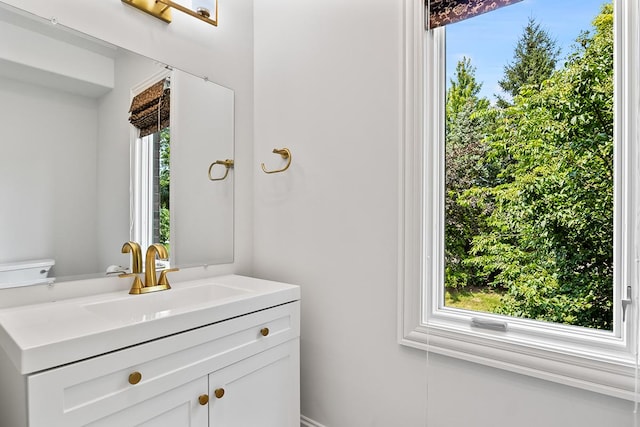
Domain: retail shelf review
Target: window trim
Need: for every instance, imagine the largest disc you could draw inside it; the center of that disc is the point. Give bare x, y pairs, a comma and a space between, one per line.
142, 189
584, 362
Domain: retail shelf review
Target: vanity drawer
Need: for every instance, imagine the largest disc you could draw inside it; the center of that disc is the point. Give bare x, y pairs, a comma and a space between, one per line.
88, 390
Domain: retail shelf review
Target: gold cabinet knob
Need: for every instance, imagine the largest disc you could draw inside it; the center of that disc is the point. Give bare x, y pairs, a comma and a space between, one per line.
219, 392
264, 332
135, 378
203, 399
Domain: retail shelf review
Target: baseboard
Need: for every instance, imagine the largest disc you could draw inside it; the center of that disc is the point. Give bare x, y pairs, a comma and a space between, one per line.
308, 422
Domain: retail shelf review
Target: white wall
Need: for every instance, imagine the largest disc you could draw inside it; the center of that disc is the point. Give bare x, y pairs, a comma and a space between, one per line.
328, 85
43, 187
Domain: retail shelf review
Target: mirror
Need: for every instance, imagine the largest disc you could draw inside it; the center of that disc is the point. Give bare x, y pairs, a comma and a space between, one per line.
66, 180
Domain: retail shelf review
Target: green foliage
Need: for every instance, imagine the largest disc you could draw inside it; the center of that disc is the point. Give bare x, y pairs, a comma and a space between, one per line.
467, 125
530, 196
165, 175
463, 90
534, 60
164, 226
164, 184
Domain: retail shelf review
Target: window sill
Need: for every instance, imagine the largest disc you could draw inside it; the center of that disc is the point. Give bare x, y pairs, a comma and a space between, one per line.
593, 372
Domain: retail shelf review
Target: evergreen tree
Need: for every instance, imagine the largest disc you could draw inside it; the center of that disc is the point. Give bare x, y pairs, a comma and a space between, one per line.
463, 89
466, 126
534, 60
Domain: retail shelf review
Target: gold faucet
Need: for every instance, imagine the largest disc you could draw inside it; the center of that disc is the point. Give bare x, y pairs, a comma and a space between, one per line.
150, 282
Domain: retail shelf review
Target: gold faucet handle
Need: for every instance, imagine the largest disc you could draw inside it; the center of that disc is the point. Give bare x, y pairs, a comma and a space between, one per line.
137, 285
163, 277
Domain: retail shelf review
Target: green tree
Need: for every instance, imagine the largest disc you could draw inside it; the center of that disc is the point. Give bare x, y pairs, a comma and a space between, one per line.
463, 90
466, 126
549, 236
534, 60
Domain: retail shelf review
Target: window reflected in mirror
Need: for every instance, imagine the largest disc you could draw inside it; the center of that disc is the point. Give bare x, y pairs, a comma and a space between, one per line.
151, 185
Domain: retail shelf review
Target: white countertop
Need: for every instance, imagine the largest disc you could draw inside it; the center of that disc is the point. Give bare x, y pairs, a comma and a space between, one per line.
41, 336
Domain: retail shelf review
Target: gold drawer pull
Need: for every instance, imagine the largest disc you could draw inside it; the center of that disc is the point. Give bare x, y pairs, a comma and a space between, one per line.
135, 378
203, 399
264, 332
219, 392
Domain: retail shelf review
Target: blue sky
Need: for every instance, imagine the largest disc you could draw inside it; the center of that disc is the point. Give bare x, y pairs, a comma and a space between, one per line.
489, 39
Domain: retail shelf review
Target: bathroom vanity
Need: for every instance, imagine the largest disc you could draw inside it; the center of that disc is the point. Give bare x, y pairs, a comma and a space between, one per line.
220, 351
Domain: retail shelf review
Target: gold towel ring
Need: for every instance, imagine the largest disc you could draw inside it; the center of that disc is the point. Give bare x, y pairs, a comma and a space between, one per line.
286, 155
228, 164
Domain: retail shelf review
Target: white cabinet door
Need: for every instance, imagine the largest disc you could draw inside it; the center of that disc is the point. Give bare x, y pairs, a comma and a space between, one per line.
262, 390
179, 407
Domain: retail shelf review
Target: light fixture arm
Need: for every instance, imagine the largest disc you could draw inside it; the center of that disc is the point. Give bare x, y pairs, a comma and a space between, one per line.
203, 16
161, 9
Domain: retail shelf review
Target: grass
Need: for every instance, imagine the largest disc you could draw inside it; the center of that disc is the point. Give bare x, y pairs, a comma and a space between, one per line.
474, 299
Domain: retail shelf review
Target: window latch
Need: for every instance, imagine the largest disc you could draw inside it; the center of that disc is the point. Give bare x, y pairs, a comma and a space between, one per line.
626, 302
489, 324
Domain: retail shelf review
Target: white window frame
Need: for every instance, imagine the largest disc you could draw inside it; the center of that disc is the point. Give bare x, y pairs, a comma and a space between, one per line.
142, 191
593, 360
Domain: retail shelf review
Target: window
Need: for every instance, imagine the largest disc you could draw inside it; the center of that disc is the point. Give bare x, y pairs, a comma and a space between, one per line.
150, 161
151, 184
588, 349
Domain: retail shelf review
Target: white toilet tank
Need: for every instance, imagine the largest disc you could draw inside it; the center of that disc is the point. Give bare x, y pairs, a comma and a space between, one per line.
23, 273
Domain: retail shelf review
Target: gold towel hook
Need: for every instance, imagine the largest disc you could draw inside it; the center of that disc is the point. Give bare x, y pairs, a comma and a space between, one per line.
228, 164
286, 155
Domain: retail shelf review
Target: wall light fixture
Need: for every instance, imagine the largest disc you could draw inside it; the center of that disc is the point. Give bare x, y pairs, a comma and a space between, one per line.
161, 9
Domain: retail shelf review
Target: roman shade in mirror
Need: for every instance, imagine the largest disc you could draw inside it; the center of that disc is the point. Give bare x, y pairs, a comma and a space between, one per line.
445, 12
149, 110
